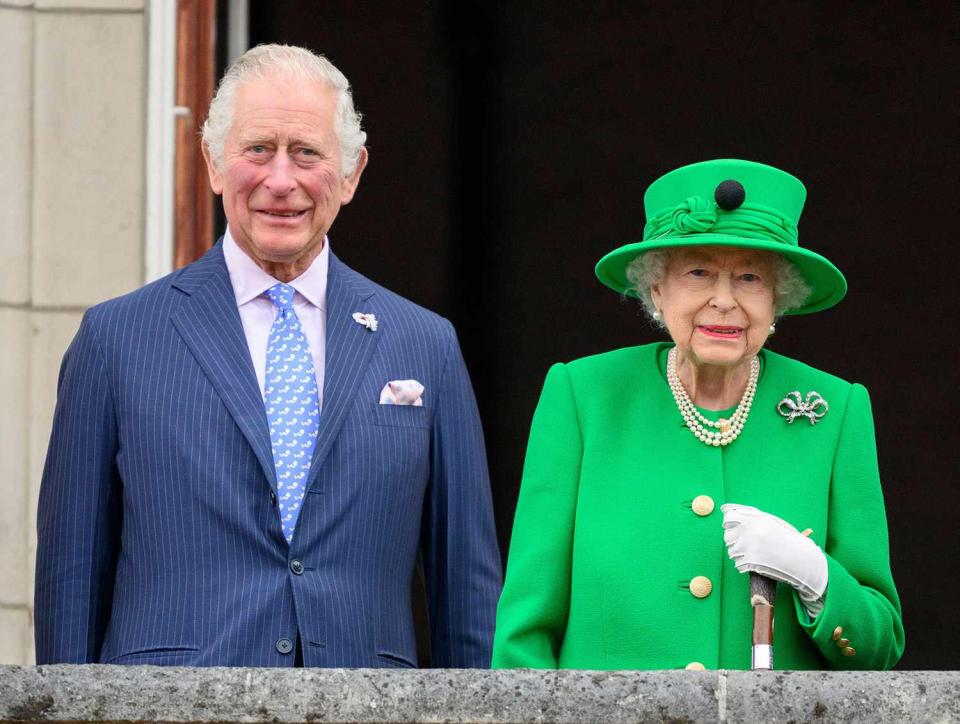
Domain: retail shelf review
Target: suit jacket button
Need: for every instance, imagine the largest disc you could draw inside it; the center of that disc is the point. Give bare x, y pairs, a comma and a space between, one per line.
296, 566
702, 505
700, 586
273, 499
284, 646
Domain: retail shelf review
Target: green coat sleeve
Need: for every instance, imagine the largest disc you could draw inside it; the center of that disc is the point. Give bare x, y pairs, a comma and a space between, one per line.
861, 598
533, 609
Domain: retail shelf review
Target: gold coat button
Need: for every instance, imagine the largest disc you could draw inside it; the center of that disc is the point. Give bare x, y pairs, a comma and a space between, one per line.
700, 586
703, 505
695, 666
840, 643
848, 651
837, 633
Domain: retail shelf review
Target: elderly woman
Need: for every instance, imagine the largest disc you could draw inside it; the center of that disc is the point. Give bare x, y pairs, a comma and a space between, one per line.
656, 476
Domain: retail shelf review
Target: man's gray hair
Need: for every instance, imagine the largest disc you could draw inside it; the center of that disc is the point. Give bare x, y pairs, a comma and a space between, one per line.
284, 61
790, 290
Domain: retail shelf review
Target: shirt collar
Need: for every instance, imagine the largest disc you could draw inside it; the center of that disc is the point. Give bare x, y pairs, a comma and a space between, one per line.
250, 281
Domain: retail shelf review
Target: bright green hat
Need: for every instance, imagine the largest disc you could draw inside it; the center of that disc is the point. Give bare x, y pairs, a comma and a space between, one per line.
728, 202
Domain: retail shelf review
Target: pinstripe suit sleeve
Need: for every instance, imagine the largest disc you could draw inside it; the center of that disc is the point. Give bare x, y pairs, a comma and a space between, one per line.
78, 519
461, 557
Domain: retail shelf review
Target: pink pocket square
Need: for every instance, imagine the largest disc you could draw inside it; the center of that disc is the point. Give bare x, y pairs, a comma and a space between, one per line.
402, 392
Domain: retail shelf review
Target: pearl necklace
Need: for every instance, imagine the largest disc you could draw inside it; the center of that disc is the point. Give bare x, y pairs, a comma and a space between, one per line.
726, 430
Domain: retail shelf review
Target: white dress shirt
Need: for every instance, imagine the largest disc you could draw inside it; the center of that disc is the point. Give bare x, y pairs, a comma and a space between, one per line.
257, 312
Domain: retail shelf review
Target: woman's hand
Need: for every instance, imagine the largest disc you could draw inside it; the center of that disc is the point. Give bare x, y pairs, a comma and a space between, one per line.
762, 543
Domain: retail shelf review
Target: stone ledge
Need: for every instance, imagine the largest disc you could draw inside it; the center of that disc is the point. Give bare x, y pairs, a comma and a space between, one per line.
147, 693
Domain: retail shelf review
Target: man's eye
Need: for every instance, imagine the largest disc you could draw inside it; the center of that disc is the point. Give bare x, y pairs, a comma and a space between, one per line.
307, 152
258, 149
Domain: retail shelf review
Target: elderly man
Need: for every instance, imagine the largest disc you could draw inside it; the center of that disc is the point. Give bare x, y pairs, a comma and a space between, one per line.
249, 456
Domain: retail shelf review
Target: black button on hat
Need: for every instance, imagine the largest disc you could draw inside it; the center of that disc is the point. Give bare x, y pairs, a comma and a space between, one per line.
730, 195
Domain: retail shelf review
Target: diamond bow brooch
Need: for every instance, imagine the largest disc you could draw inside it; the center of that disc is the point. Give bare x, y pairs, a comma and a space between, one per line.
793, 406
367, 320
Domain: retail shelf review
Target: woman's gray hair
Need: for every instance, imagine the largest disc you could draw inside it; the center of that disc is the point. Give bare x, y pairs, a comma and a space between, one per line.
790, 290
284, 61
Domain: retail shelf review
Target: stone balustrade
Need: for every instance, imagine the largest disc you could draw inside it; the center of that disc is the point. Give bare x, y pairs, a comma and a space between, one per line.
146, 693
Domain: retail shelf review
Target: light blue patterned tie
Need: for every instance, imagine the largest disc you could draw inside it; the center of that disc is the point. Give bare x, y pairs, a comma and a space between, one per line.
293, 409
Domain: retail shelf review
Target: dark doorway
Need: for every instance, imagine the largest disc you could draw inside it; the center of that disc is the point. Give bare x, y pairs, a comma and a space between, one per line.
510, 147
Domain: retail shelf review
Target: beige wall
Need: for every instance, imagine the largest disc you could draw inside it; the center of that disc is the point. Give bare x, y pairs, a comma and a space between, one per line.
73, 80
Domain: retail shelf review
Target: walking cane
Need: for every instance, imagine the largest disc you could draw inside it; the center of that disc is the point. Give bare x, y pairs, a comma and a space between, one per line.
763, 596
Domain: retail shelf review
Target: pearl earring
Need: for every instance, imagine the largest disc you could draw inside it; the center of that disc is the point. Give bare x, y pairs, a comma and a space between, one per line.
656, 315
773, 328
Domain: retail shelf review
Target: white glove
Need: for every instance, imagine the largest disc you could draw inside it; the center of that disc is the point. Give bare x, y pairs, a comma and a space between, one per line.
762, 543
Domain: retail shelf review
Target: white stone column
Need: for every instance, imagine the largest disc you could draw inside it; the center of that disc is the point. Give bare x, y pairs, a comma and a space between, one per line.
72, 78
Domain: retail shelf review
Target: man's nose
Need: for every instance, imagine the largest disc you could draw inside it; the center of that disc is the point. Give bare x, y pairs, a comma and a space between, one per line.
281, 179
723, 299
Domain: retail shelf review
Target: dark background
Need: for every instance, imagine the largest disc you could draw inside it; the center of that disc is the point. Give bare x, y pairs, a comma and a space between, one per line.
511, 145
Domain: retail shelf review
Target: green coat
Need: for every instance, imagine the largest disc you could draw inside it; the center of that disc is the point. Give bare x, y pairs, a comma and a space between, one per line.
605, 540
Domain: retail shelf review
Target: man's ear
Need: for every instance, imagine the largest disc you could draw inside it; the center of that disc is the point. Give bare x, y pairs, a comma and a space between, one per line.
351, 182
216, 178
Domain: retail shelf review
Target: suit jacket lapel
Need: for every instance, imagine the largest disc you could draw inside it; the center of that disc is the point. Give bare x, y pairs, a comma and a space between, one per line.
209, 323
348, 351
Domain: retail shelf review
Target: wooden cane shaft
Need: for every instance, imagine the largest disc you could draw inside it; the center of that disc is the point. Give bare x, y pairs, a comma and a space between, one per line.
763, 625
763, 597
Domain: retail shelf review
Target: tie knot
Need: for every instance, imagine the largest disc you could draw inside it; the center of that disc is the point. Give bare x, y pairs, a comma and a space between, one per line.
281, 295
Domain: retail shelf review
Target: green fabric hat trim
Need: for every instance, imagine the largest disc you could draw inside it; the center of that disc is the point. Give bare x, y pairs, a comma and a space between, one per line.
728, 202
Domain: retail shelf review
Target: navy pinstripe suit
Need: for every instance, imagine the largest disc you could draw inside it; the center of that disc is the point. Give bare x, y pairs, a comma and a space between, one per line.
159, 539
